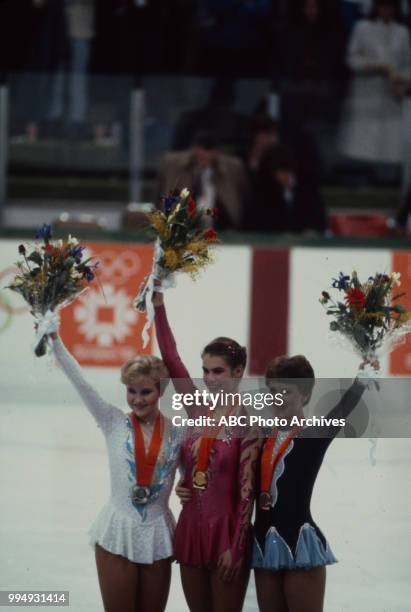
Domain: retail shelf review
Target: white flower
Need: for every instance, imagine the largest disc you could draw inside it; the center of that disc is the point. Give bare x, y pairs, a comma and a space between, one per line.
184, 193
59, 243
395, 277
72, 240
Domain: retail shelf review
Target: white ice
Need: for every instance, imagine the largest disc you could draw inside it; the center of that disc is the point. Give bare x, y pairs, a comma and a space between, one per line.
54, 479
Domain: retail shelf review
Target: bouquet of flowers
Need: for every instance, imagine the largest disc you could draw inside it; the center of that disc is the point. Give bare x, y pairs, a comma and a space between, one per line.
50, 276
182, 245
369, 316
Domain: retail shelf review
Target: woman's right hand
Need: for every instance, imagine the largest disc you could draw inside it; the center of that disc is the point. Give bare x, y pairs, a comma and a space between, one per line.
182, 492
158, 298
52, 335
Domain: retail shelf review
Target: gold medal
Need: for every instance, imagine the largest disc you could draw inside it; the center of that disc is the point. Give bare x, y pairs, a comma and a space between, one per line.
200, 480
265, 500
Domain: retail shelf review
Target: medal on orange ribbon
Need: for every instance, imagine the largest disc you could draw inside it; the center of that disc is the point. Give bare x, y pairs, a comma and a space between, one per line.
265, 500
268, 465
145, 463
200, 478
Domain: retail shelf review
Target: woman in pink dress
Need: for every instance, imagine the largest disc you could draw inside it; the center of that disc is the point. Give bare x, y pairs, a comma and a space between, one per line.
213, 531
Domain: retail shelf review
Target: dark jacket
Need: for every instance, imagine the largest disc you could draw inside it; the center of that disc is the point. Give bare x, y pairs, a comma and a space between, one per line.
270, 211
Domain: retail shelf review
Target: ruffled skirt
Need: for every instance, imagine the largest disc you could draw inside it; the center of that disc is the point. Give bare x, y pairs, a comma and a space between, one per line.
309, 552
136, 540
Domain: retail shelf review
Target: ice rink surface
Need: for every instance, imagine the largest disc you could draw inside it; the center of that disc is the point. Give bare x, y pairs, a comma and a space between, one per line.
54, 480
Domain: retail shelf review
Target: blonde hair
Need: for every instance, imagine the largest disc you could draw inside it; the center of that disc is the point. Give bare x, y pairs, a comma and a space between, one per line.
144, 365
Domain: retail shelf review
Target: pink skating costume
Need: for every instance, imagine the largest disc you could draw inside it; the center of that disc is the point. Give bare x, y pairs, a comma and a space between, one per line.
216, 519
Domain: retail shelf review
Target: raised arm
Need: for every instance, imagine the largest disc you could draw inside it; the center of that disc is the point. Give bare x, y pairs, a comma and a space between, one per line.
346, 405
102, 411
168, 349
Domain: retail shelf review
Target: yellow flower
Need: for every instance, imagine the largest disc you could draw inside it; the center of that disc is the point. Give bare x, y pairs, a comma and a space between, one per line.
171, 259
196, 246
404, 317
159, 223
191, 268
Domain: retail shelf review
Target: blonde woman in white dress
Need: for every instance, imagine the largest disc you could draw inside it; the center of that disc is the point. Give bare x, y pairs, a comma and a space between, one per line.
132, 535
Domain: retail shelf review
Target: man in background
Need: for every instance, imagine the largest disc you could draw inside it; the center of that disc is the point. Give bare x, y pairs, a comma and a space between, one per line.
215, 180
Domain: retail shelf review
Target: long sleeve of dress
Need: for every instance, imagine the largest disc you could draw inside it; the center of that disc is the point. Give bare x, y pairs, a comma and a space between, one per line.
102, 411
358, 58
249, 453
346, 405
178, 372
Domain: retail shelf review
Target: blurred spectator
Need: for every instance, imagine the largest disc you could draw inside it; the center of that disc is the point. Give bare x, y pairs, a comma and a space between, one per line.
285, 201
379, 55
215, 180
264, 135
79, 16
234, 36
216, 117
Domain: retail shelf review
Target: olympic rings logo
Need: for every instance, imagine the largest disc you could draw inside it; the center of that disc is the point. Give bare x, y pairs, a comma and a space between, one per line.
10, 303
6, 315
118, 267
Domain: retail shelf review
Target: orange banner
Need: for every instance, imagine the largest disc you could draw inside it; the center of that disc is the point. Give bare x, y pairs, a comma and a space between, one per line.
400, 358
101, 328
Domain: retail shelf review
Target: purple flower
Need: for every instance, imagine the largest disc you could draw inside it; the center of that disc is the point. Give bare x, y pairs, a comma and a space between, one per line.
89, 272
341, 282
44, 232
169, 203
77, 253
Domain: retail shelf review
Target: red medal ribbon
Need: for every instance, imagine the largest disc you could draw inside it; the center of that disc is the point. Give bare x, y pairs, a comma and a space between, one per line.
206, 444
269, 463
146, 463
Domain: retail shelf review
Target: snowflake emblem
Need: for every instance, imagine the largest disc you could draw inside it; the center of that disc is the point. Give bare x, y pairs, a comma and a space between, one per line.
106, 318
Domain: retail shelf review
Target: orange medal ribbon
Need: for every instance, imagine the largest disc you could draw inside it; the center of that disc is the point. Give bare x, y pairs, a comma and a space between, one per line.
269, 463
203, 458
146, 463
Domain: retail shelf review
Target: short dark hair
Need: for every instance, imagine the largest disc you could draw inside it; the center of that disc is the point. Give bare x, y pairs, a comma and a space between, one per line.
263, 123
234, 354
297, 366
395, 4
277, 158
205, 140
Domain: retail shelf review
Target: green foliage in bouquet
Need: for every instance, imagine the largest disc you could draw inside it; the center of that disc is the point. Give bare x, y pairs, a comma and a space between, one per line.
51, 275
369, 314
